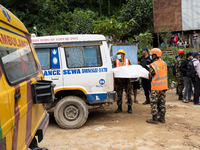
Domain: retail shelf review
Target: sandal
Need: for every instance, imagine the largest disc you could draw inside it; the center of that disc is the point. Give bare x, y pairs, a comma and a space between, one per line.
185, 101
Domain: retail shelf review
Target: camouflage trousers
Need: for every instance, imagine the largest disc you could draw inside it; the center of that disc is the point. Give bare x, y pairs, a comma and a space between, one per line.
121, 84
158, 100
180, 86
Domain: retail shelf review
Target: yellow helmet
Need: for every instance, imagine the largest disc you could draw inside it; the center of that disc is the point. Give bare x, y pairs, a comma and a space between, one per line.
121, 51
156, 51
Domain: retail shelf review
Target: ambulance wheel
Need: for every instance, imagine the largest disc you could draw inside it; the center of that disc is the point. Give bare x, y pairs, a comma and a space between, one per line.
71, 112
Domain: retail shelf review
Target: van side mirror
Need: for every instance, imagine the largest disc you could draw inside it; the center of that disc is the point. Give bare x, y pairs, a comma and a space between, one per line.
43, 92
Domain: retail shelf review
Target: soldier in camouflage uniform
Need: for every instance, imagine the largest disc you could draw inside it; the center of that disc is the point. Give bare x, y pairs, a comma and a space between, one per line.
122, 83
159, 85
179, 75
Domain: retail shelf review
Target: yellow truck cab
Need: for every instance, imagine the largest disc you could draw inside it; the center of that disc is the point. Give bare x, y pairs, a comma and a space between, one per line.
23, 93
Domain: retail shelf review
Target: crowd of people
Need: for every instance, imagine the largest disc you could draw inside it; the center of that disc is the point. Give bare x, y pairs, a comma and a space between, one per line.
154, 88
188, 75
179, 42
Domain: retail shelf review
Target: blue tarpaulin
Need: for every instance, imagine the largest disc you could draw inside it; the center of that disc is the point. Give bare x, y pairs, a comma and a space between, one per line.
131, 52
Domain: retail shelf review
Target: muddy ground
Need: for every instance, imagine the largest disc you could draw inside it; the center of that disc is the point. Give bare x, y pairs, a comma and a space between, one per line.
105, 130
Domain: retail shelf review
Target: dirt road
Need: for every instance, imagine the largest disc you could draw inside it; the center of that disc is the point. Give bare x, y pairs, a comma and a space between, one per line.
105, 130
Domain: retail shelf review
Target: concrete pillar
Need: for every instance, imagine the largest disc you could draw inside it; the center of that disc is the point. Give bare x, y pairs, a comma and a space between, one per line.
182, 35
190, 40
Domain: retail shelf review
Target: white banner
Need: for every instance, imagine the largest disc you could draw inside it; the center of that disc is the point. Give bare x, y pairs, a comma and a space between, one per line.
132, 71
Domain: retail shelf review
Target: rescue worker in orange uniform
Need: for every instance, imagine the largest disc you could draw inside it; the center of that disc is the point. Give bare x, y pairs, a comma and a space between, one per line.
122, 83
159, 86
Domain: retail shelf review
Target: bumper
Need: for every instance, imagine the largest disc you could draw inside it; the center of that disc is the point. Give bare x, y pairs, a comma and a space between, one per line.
101, 97
111, 96
42, 128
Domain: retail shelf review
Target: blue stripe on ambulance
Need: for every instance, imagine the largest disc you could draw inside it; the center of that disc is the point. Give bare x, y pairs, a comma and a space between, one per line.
96, 98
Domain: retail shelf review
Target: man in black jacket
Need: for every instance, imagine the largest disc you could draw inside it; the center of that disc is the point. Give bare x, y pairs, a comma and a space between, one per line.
187, 80
145, 60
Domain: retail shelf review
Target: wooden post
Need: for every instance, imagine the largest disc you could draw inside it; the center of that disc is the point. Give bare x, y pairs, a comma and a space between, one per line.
182, 35
190, 40
158, 40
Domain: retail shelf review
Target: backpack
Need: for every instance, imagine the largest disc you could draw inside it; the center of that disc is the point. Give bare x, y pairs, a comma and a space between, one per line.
191, 72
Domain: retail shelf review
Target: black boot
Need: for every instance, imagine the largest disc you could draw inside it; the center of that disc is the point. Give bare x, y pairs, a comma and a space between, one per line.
154, 120
119, 109
162, 118
146, 102
180, 97
129, 109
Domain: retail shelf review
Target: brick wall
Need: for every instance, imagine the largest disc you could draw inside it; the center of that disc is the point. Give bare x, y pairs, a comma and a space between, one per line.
167, 13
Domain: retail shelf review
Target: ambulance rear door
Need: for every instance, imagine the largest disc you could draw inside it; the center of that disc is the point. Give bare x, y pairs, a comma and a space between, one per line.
87, 66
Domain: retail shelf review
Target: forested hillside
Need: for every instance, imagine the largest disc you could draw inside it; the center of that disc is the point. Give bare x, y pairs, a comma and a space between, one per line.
114, 18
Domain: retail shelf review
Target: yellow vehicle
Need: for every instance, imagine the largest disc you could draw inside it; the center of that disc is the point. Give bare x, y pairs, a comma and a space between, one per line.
23, 93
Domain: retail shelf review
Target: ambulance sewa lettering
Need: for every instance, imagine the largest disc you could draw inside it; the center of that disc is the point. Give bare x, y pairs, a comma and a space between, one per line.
51, 72
74, 71
71, 71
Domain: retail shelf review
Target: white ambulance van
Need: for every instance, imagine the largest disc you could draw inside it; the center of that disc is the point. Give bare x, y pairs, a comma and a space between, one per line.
81, 68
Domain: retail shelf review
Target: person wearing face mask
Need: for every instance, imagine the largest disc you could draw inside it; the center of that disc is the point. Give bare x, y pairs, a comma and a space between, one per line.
179, 74
122, 83
159, 86
145, 60
187, 80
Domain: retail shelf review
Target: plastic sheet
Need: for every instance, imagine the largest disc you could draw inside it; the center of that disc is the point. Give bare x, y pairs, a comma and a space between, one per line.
132, 71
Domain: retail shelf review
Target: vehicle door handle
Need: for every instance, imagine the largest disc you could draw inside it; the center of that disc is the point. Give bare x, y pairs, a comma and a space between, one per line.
54, 78
17, 96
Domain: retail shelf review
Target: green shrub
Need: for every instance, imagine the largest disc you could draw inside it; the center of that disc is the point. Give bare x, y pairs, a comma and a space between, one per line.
145, 40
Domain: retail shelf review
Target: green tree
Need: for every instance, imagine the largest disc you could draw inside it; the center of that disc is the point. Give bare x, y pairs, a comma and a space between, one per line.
112, 28
101, 7
142, 12
53, 17
145, 39
47, 15
83, 22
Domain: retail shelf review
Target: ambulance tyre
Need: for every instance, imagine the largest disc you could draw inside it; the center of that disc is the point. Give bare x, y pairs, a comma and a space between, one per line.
71, 112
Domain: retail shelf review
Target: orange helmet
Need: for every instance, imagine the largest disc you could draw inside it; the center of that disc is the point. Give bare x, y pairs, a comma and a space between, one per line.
156, 51
181, 51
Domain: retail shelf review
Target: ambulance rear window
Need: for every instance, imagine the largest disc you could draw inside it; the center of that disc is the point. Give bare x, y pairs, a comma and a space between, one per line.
16, 56
48, 57
83, 56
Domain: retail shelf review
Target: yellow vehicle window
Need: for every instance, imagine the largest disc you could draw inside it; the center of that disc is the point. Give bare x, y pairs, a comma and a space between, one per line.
16, 56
